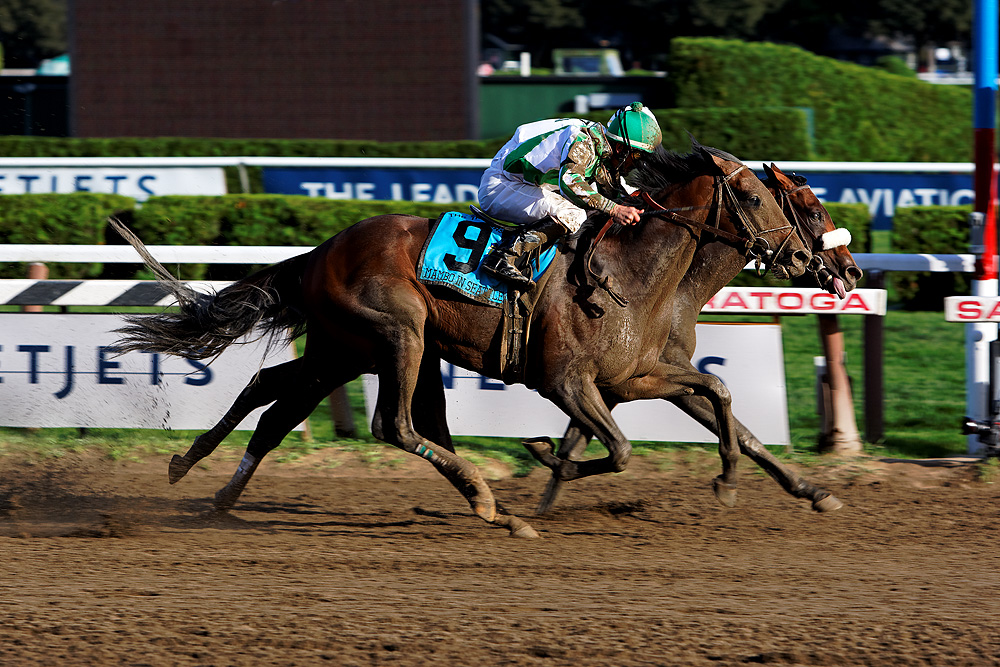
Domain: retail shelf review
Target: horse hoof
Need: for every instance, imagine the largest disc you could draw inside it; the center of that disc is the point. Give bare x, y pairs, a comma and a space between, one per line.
827, 504
178, 467
484, 510
224, 500
724, 493
525, 531
542, 449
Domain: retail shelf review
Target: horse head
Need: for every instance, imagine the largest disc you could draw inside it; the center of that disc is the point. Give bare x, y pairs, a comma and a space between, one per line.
832, 265
741, 211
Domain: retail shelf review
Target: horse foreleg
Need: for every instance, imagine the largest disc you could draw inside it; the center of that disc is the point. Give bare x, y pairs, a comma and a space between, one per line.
700, 409
583, 403
573, 444
671, 382
264, 388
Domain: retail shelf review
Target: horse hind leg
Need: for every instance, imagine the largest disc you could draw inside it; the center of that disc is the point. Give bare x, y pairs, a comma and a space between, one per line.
264, 388
429, 419
401, 365
298, 398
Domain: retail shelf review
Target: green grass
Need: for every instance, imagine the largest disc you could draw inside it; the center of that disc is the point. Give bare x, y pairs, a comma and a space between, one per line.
924, 402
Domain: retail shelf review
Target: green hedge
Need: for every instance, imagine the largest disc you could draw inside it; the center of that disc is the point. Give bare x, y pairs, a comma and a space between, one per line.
935, 230
18, 146
249, 220
771, 133
79, 218
861, 113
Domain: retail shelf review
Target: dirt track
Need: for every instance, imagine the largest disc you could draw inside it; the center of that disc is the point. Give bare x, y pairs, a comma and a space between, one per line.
107, 564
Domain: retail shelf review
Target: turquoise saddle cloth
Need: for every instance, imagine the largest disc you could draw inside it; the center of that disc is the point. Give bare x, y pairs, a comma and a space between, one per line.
454, 251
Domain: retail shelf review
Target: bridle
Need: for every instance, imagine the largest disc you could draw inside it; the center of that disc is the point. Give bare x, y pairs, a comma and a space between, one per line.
816, 264
749, 237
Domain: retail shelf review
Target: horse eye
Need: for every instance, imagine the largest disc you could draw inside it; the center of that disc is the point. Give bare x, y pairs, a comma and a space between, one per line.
816, 215
753, 200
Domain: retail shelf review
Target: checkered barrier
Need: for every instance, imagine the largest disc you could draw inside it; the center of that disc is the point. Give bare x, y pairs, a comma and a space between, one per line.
28, 292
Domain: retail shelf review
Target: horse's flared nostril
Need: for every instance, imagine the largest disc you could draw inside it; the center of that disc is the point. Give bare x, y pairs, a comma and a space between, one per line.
801, 256
855, 272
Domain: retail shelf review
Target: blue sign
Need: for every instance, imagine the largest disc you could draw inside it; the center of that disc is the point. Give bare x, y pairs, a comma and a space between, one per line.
441, 186
883, 193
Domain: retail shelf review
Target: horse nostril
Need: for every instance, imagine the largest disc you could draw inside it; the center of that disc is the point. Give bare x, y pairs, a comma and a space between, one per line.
801, 256
855, 272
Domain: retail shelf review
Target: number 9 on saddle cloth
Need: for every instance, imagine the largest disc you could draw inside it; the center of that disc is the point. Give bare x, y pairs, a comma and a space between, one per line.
454, 251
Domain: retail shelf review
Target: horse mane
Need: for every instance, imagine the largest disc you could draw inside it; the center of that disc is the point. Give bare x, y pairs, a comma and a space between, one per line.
663, 168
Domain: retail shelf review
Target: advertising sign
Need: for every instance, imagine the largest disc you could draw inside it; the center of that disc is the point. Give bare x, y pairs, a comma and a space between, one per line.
795, 301
138, 183
57, 370
972, 309
747, 357
441, 186
882, 192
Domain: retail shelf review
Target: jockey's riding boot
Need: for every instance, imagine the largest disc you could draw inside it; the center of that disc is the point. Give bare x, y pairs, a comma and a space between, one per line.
506, 260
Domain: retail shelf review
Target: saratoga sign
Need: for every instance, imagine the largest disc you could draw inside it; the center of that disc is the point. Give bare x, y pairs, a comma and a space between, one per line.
764, 300
972, 309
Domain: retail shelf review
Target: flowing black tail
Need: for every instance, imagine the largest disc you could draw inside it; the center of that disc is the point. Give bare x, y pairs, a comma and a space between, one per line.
266, 303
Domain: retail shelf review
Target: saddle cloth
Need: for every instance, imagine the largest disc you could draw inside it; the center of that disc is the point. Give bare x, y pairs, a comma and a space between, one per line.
454, 251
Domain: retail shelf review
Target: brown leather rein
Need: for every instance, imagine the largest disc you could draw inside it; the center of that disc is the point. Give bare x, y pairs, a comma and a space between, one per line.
751, 241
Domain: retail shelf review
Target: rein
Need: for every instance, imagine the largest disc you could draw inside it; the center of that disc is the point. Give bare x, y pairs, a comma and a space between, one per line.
751, 242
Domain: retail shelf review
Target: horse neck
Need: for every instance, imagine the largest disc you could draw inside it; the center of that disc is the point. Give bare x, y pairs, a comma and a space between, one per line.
714, 263
713, 266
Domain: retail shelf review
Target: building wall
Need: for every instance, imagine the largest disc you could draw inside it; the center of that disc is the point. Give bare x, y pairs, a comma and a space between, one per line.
386, 70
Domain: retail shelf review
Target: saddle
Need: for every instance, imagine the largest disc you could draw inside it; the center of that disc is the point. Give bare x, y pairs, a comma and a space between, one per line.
451, 257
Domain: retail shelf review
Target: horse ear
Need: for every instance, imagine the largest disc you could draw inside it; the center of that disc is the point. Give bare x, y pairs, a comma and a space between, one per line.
769, 171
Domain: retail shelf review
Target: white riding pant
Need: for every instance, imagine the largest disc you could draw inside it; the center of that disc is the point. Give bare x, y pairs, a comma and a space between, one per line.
511, 198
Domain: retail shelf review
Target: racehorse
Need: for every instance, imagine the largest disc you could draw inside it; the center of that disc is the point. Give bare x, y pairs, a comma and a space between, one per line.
364, 309
715, 264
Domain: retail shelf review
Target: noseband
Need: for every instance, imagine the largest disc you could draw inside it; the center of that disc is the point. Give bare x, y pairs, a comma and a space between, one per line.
816, 265
749, 239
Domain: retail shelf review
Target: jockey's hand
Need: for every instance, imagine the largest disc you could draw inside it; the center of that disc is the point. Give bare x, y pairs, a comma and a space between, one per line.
625, 215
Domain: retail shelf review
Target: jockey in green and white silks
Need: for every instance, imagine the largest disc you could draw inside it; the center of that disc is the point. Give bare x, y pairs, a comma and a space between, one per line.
552, 172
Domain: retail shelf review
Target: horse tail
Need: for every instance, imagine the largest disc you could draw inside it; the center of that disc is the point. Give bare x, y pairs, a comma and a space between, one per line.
267, 303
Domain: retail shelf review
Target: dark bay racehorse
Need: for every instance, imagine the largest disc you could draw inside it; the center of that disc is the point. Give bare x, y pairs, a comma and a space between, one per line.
714, 265
365, 310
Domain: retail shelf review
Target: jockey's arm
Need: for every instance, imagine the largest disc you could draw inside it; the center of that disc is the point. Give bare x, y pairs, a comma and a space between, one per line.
576, 187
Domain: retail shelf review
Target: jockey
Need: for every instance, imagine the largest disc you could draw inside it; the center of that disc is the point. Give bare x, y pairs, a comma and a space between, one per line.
548, 175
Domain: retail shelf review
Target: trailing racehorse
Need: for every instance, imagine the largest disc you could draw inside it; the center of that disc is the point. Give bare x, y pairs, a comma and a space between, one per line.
714, 265
365, 310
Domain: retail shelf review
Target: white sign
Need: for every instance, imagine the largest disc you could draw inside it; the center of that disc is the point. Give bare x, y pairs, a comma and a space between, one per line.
972, 309
748, 359
138, 183
57, 370
791, 301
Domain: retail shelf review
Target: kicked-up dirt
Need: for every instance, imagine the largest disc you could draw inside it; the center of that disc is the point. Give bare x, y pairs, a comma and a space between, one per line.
104, 563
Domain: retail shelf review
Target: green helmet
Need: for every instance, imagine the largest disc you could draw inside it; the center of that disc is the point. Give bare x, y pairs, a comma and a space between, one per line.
636, 126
